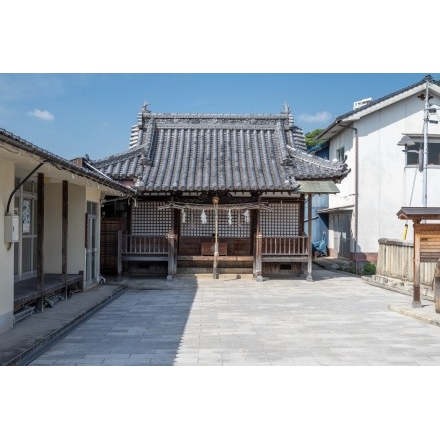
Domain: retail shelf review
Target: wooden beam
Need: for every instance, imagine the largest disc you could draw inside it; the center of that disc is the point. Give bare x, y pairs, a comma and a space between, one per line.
65, 212
119, 276
309, 233
258, 262
40, 240
416, 286
171, 249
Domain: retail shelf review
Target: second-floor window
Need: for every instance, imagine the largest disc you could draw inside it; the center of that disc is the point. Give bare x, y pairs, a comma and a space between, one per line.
412, 156
340, 154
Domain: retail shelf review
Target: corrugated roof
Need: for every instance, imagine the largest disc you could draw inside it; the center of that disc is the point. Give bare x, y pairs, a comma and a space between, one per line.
217, 152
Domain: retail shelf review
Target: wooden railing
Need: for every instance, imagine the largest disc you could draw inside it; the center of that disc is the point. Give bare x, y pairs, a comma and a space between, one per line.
144, 244
279, 245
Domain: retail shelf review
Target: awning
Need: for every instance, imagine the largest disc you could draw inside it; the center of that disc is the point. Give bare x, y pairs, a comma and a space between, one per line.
335, 210
317, 187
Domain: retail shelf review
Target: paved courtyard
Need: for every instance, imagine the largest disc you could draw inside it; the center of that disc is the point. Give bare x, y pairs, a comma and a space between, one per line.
336, 320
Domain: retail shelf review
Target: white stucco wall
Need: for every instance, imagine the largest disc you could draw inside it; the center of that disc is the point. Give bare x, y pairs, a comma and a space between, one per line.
77, 208
76, 236
7, 174
52, 227
385, 183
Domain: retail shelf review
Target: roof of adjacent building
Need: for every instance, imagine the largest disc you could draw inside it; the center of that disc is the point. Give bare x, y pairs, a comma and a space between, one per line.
26, 153
217, 152
376, 104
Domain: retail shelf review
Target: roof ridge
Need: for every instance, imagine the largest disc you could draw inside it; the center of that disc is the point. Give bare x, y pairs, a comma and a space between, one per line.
316, 160
386, 97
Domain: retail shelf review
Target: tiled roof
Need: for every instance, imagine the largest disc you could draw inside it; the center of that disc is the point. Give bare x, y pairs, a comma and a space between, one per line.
60, 163
387, 97
217, 152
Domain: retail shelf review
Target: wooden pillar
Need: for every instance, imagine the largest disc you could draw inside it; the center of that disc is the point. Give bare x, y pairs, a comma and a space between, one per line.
258, 265
309, 234
176, 238
171, 237
416, 290
65, 204
40, 240
171, 255
119, 276
258, 251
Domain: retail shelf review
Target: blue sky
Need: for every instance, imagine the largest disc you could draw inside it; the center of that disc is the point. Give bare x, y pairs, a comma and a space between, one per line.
76, 114
74, 85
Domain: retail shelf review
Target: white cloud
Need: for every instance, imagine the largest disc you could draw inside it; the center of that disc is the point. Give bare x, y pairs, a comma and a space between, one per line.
42, 114
319, 117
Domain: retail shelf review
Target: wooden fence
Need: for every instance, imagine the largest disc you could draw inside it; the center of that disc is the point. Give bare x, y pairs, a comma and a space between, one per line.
396, 260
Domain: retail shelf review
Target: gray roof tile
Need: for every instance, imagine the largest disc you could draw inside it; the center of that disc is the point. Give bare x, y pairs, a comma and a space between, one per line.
216, 152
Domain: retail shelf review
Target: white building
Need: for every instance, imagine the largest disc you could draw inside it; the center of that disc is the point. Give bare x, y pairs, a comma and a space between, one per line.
50, 222
383, 178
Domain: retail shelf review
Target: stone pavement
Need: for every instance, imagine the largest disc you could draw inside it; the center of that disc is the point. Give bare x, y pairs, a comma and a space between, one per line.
40, 330
336, 320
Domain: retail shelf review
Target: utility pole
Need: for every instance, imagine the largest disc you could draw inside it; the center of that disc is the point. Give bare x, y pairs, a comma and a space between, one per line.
425, 147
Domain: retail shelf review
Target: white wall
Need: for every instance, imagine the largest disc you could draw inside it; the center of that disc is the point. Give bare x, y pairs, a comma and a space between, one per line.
76, 236
384, 182
7, 174
53, 227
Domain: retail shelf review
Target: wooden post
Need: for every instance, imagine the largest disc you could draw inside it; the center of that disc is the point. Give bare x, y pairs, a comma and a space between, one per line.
416, 291
40, 240
309, 233
65, 203
171, 255
119, 277
258, 248
215, 201
436, 287
258, 269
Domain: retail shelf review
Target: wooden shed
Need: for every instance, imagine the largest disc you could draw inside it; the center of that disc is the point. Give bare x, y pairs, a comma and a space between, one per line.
426, 245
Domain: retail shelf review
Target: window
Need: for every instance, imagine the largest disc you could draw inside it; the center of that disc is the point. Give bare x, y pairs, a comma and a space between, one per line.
340, 154
412, 158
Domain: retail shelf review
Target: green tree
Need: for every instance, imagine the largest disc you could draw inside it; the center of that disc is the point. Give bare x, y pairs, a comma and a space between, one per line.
311, 136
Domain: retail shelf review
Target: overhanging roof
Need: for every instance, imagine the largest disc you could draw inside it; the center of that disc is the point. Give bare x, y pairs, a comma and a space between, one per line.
336, 209
26, 156
317, 187
419, 213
